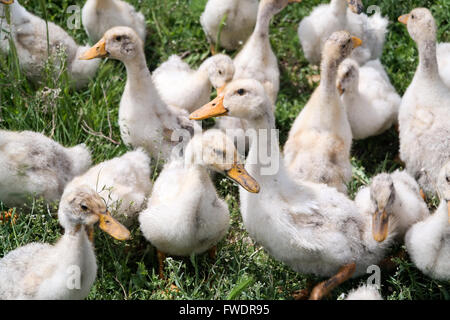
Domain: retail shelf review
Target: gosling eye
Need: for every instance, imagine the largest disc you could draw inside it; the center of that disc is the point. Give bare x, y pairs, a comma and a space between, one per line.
413, 16
118, 38
220, 72
83, 207
447, 178
241, 92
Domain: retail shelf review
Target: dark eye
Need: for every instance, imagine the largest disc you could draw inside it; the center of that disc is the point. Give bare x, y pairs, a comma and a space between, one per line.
83, 207
118, 38
241, 92
220, 72
448, 179
413, 16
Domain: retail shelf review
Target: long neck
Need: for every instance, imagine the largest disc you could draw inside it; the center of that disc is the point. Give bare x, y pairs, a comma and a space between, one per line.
265, 14
328, 74
328, 94
339, 7
139, 83
264, 157
428, 66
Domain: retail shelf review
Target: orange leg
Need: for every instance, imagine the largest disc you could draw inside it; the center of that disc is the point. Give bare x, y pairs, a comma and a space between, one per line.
324, 288
213, 49
161, 258
303, 294
213, 252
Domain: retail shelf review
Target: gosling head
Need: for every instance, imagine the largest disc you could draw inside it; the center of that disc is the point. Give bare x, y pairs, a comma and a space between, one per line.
444, 186
348, 76
220, 71
421, 25
121, 43
339, 46
356, 6
82, 206
382, 196
244, 98
215, 151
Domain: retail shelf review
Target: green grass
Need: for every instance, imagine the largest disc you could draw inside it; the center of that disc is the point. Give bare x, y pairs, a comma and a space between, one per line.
243, 270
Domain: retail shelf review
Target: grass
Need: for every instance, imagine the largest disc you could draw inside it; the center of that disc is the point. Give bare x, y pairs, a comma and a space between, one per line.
242, 270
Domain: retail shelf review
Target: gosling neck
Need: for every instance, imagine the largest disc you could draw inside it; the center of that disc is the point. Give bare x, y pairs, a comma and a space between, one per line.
265, 14
339, 7
264, 146
428, 66
328, 70
140, 84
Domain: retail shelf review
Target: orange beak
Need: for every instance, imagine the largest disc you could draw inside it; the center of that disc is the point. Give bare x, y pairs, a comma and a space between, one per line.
356, 42
221, 89
7, 1
404, 19
97, 51
214, 108
293, 1
380, 224
241, 176
113, 227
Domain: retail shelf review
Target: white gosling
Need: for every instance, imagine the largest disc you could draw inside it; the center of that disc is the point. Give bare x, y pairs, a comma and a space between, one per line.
123, 183
44, 271
325, 19
311, 227
185, 215
364, 292
392, 198
428, 241
29, 34
238, 26
319, 142
99, 16
370, 100
424, 115
184, 88
145, 120
32, 164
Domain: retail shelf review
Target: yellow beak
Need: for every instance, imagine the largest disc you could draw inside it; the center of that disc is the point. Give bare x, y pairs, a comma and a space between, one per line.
97, 51
214, 108
241, 176
356, 6
293, 1
7, 1
113, 227
380, 224
221, 89
356, 42
404, 19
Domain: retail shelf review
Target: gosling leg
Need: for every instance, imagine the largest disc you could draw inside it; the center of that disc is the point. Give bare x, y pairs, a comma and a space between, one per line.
161, 258
325, 287
212, 252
